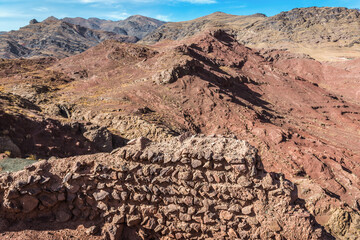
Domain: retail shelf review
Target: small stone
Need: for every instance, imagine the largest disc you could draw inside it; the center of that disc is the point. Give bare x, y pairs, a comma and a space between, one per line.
195, 226
139, 197
150, 224
119, 219
102, 206
44, 180
171, 208
70, 197
235, 208
115, 195
67, 177
184, 217
73, 188
48, 200
247, 210
101, 195
124, 196
185, 160
178, 236
186, 176
274, 226
191, 211
28, 203
76, 212
208, 155
61, 197
189, 200
133, 220
240, 168
30, 179
244, 181
276, 135
196, 163
225, 215
207, 165
209, 218
158, 228
63, 216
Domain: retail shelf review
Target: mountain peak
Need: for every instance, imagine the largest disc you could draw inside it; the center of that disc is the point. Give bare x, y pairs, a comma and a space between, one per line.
51, 19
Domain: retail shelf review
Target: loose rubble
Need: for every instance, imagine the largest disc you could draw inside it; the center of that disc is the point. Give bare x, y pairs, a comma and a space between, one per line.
186, 188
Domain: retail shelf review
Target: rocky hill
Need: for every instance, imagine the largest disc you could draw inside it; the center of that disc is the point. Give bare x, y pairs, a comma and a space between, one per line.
180, 30
324, 33
137, 26
206, 84
53, 37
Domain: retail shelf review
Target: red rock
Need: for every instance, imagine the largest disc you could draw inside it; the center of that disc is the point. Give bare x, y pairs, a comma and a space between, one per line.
247, 210
28, 203
225, 215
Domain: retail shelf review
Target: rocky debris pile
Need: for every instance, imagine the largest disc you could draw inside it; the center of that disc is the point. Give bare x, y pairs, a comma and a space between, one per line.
22, 136
188, 188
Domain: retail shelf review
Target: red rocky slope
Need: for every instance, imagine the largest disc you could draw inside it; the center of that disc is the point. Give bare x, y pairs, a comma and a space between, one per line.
212, 84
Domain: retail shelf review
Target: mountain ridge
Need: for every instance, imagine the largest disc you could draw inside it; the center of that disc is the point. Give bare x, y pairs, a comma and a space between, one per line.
323, 32
52, 37
136, 25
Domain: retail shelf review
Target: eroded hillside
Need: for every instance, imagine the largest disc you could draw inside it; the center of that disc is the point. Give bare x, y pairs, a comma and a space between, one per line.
212, 84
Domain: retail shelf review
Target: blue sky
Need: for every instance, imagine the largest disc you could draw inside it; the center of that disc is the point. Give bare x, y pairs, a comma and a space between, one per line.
17, 13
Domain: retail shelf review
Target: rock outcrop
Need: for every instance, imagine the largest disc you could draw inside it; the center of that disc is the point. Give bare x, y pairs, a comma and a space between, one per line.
189, 188
25, 131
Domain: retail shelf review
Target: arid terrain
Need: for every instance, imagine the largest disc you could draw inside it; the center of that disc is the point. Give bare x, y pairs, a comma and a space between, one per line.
207, 132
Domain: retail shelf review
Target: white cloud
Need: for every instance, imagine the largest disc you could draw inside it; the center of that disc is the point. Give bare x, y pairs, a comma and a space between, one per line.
163, 18
118, 15
41, 9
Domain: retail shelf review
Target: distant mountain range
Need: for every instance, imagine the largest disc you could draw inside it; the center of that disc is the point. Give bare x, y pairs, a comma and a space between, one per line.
137, 26
323, 33
70, 36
